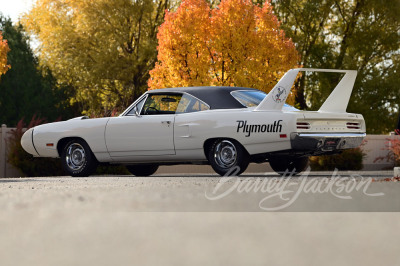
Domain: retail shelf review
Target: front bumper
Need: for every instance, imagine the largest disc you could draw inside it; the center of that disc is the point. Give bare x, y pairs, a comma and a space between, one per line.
27, 142
325, 142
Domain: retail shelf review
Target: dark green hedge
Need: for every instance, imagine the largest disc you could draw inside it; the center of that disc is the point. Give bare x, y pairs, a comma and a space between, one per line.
351, 159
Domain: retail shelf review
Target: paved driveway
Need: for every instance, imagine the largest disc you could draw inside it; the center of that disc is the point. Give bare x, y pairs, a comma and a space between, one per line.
201, 220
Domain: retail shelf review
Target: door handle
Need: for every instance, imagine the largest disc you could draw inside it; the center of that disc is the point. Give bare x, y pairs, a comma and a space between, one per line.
166, 122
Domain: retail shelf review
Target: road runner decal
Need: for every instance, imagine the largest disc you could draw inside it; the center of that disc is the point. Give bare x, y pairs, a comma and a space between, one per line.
280, 95
245, 128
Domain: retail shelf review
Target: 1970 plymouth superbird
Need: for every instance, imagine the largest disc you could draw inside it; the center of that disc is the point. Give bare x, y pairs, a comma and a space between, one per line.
225, 127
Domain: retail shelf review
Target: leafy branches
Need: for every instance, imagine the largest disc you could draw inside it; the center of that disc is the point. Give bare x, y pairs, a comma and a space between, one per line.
235, 44
4, 49
104, 49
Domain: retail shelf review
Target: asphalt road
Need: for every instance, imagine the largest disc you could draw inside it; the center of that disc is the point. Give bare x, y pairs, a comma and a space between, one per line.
201, 220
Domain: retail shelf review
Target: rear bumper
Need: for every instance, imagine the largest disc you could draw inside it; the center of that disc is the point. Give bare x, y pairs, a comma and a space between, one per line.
325, 142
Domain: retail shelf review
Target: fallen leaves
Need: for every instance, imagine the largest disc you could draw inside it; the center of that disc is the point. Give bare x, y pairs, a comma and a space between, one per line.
393, 179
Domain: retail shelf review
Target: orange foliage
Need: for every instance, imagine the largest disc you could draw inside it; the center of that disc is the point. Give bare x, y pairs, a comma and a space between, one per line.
393, 148
4, 49
236, 44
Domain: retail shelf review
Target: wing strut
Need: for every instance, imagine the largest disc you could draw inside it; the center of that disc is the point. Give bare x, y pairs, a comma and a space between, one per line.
336, 102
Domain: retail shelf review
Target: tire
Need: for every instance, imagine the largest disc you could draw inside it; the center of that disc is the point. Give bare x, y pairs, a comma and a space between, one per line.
142, 169
77, 159
290, 165
225, 155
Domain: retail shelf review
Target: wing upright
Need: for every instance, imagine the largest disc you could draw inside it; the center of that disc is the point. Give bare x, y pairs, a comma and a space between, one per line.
336, 102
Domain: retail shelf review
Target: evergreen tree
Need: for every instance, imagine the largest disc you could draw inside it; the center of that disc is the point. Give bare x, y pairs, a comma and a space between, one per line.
26, 89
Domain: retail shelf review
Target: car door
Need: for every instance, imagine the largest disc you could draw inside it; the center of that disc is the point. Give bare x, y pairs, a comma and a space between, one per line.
145, 132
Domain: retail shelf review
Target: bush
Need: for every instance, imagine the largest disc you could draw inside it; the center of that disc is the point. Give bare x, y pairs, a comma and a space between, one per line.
393, 148
32, 166
351, 159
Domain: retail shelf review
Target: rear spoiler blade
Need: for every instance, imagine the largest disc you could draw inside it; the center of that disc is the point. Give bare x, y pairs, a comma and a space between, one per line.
336, 102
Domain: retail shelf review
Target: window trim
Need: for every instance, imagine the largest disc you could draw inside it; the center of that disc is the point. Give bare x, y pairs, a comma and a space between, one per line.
245, 90
134, 104
209, 108
285, 104
145, 95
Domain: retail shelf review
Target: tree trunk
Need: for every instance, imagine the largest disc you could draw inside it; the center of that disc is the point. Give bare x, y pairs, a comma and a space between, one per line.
348, 32
299, 93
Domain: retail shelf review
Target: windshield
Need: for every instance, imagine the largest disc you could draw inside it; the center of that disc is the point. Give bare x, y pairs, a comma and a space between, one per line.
251, 98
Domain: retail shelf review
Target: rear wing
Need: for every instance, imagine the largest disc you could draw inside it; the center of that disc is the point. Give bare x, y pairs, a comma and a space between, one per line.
336, 102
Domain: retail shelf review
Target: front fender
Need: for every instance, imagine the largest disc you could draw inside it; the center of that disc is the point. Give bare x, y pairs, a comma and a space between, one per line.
46, 137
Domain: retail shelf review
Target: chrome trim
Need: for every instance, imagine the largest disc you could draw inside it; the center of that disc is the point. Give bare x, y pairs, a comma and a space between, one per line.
244, 106
225, 154
75, 157
266, 94
126, 112
317, 142
209, 108
143, 97
329, 135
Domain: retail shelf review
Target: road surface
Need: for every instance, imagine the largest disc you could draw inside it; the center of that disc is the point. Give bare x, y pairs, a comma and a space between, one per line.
201, 220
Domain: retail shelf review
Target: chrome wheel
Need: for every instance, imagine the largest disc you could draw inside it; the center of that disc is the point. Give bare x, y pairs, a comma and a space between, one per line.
225, 154
75, 157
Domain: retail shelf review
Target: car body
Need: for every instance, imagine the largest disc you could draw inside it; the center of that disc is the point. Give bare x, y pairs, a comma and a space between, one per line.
226, 127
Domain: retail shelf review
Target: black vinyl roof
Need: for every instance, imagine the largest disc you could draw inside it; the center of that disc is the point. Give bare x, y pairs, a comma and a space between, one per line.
215, 97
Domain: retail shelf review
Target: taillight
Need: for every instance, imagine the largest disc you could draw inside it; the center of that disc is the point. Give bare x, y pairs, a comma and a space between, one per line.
353, 125
303, 125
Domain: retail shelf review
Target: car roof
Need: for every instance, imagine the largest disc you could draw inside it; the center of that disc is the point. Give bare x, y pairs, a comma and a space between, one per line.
215, 97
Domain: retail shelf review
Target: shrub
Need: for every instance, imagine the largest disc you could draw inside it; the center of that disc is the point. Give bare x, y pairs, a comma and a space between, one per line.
351, 159
393, 148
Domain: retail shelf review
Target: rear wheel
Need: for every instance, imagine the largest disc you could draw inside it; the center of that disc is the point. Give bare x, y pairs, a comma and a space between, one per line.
142, 169
228, 157
77, 159
288, 164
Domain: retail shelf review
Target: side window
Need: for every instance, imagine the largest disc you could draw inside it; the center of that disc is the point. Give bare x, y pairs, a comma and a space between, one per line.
138, 107
189, 104
159, 104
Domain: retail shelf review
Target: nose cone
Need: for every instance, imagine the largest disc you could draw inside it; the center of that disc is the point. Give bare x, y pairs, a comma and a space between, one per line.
27, 142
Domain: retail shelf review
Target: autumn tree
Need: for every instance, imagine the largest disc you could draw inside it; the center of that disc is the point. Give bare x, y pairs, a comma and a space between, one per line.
235, 44
103, 48
4, 49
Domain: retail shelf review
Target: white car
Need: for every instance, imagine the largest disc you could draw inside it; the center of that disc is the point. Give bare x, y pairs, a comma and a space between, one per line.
226, 127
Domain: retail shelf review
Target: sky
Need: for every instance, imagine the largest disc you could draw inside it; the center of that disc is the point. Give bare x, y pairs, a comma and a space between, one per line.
15, 8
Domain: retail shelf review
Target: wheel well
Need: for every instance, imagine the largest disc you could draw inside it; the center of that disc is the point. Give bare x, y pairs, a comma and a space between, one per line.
208, 143
62, 142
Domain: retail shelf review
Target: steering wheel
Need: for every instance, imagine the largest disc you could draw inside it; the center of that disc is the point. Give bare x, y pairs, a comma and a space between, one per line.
149, 108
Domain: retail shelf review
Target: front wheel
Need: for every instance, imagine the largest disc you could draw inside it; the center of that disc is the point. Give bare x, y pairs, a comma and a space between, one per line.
228, 157
142, 169
77, 159
290, 165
